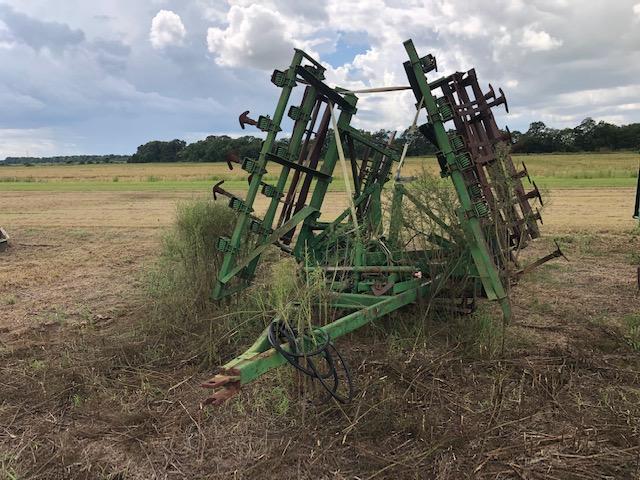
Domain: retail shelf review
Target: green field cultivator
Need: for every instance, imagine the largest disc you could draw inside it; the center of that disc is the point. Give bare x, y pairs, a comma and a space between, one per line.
364, 256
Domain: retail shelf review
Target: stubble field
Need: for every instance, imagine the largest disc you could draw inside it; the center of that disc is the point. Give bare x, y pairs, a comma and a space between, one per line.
82, 395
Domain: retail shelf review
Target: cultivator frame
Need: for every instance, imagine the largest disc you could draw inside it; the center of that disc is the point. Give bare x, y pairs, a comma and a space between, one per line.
376, 275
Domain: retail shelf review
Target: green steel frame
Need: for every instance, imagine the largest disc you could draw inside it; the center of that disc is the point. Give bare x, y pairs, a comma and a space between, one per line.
403, 280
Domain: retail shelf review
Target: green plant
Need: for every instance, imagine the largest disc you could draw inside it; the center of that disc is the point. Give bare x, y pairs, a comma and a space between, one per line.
6, 470
482, 334
37, 365
189, 260
77, 400
9, 299
632, 323
182, 314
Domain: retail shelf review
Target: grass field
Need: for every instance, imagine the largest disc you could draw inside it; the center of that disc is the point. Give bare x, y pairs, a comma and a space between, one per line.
558, 171
582, 191
87, 393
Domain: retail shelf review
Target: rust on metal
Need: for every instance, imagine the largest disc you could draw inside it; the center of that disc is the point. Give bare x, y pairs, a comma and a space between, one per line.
244, 119
555, 254
224, 387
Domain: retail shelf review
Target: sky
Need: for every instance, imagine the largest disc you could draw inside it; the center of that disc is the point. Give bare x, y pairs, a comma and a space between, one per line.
105, 76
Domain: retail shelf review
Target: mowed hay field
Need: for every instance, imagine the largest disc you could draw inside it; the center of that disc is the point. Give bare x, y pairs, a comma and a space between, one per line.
582, 190
87, 393
563, 170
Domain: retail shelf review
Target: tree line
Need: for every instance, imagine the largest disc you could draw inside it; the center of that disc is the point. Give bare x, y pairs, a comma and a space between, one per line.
67, 159
588, 136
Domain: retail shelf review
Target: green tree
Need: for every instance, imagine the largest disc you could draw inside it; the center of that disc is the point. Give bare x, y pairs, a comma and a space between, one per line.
157, 151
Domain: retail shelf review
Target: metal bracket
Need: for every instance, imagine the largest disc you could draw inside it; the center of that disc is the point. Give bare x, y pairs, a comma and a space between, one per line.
223, 244
266, 124
297, 114
428, 63
256, 226
252, 166
271, 191
279, 79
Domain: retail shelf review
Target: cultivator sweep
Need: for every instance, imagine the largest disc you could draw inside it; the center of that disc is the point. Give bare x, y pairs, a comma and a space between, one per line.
366, 262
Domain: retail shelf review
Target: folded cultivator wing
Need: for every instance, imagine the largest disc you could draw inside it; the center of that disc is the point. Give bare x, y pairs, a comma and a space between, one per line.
366, 262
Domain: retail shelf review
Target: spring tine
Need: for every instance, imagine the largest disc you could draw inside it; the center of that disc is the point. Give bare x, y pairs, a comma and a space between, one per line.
217, 189
501, 100
490, 94
535, 193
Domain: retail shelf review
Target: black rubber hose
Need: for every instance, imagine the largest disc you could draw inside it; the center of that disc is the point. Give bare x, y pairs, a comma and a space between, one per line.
279, 332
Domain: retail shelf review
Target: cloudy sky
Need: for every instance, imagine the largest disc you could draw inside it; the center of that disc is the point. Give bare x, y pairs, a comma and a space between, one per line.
104, 76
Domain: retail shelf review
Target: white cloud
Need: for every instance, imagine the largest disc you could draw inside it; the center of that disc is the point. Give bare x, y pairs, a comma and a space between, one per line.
256, 36
166, 29
538, 40
6, 39
91, 67
33, 142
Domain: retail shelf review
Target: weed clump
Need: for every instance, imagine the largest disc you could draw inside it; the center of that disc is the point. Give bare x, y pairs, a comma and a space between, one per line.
180, 282
632, 323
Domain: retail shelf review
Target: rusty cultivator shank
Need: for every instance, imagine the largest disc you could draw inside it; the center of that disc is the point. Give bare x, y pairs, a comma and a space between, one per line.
368, 266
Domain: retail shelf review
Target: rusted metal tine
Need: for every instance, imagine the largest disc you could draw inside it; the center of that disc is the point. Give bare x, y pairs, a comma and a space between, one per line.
535, 193
230, 158
522, 173
363, 164
285, 213
481, 147
224, 387
555, 254
313, 159
495, 134
470, 130
244, 119
217, 189
491, 135
377, 173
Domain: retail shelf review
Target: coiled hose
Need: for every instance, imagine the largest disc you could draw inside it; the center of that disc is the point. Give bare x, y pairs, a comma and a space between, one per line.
309, 346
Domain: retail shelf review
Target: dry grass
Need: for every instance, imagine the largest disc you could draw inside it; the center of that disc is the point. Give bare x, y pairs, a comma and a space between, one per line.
123, 172
87, 397
590, 165
598, 210
87, 394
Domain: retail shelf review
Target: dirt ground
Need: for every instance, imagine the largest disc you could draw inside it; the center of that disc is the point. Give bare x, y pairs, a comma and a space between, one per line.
83, 396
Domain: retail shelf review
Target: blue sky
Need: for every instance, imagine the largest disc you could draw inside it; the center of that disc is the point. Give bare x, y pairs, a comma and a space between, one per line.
105, 76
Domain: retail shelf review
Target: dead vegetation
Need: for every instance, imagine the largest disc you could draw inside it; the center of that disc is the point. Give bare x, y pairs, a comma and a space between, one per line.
88, 395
